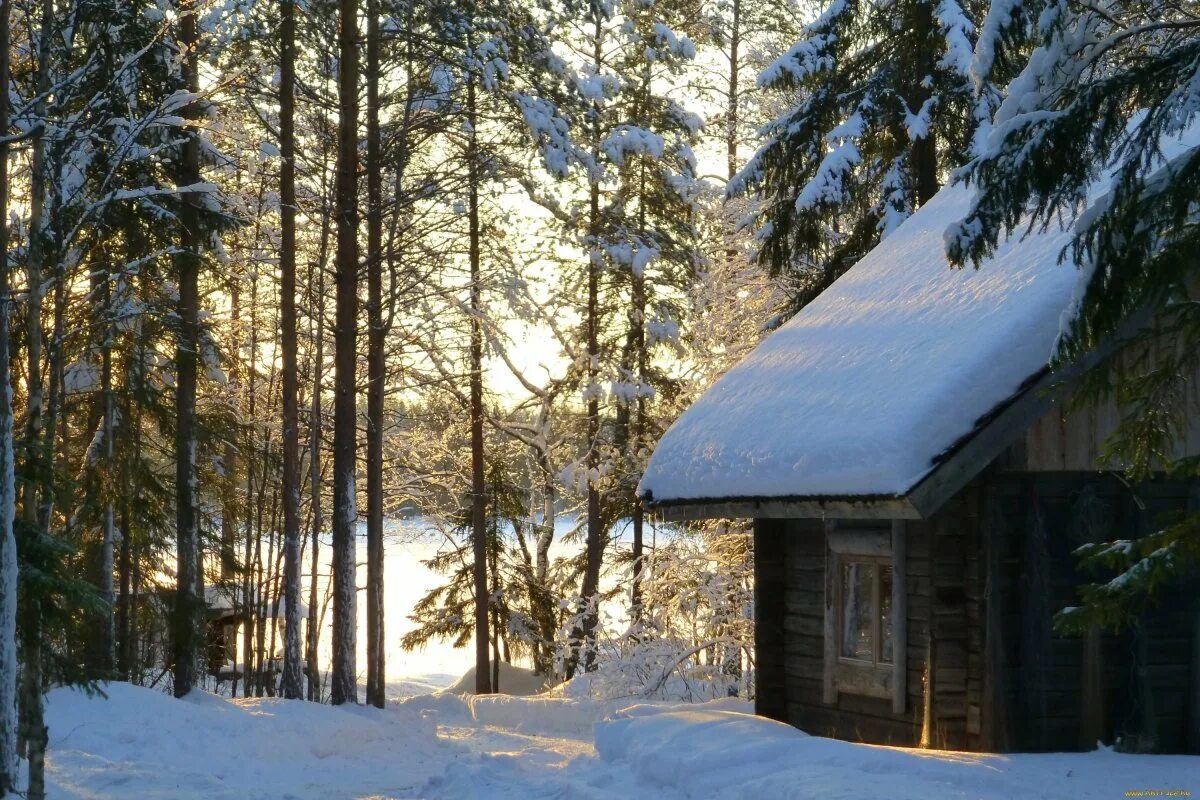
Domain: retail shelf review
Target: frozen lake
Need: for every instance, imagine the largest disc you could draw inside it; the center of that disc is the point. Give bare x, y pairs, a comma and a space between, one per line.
408, 544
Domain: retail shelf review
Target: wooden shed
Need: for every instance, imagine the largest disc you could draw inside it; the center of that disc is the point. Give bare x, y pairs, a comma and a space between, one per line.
918, 489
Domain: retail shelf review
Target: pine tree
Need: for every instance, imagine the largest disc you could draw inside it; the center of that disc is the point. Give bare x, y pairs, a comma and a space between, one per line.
292, 688
199, 218
884, 107
651, 240
343, 678
1101, 107
483, 683
376, 366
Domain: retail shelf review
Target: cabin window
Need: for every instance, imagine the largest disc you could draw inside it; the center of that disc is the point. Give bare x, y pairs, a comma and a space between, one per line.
866, 610
865, 613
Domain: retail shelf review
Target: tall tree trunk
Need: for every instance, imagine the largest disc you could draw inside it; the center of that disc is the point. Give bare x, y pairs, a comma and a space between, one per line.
124, 608
343, 688
542, 600
262, 567
33, 733
8, 494
314, 449
292, 677
34, 262
185, 626
54, 439
733, 109
129, 647
494, 567
250, 615
107, 591
595, 533
375, 370
924, 150
638, 329
637, 336
483, 682
229, 510
733, 658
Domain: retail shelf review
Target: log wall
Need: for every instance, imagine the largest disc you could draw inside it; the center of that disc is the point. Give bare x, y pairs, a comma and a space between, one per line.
985, 576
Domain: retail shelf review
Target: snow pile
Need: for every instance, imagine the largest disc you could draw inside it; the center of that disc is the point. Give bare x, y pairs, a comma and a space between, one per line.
144, 744
574, 716
705, 753
656, 668
514, 680
570, 709
883, 372
715, 751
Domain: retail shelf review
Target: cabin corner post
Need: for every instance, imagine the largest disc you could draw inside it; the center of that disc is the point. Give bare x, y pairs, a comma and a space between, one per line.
829, 631
1193, 731
1193, 712
995, 718
899, 617
770, 575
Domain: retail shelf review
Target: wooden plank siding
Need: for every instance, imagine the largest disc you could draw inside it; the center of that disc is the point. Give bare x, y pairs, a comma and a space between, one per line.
1067, 439
770, 585
998, 551
1045, 698
849, 716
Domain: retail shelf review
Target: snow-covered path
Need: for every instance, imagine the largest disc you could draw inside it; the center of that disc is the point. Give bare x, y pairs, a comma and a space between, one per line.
142, 744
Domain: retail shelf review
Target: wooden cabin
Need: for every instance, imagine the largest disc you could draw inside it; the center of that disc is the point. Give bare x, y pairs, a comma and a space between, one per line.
918, 488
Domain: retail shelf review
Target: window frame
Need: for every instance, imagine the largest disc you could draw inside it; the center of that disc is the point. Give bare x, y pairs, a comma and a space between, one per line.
876, 563
855, 676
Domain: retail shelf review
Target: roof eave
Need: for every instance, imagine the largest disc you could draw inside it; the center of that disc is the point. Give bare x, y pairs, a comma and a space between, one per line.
867, 507
997, 430
992, 434
955, 468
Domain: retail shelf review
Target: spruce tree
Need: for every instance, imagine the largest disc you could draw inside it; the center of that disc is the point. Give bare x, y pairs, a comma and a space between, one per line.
881, 106
1099, 128
651, 236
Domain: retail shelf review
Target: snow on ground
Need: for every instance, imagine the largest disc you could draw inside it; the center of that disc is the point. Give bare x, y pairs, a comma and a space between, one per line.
140, 743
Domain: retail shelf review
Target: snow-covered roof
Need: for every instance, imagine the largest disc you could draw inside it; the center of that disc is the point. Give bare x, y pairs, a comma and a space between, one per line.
890, 367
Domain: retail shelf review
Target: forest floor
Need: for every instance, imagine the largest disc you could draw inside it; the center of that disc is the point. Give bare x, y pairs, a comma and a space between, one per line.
141, 744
